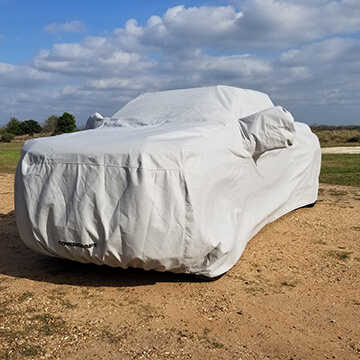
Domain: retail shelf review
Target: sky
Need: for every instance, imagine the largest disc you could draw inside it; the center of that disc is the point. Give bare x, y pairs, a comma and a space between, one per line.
82, 56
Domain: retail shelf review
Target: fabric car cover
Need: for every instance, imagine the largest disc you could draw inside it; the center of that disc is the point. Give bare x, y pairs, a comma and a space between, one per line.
175, 181
268, 130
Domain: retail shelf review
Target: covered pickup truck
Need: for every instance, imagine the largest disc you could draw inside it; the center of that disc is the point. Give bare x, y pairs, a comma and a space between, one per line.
175, 181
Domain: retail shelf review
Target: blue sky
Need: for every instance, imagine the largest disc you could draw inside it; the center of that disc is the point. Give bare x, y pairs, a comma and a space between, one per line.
87, 56
23, 23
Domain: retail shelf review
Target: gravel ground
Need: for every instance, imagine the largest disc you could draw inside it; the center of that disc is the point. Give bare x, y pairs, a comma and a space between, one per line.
341, 150
294, 294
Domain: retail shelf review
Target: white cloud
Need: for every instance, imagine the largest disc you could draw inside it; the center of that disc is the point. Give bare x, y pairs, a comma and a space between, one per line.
303, 53
266, 25
327, 66
324, 53
68, 27
96, 57
17, 76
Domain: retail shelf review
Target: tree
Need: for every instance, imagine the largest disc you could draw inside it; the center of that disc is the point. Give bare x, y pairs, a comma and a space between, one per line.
50, 124
30, 127
65, 124
13, 127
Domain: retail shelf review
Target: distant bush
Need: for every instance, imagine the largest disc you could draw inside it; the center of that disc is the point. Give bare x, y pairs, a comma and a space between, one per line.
7, 137
353, 139
338, 136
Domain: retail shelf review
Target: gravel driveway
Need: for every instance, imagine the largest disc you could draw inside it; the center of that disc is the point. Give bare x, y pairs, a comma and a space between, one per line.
341, 150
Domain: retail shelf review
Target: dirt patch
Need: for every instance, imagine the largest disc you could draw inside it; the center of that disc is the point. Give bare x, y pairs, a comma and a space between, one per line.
294, 294
6, 194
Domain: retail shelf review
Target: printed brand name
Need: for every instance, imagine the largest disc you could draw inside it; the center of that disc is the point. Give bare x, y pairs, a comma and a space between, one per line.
87, 246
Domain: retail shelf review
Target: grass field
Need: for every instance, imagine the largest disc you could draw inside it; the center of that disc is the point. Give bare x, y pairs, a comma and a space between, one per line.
9, 156
340, 169
336, 169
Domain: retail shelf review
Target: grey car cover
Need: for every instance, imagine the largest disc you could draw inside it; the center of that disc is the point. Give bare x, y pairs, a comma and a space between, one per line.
175, 181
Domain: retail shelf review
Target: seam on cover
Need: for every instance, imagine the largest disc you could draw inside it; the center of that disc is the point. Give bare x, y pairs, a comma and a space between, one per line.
188, 210
98, 165
148, 223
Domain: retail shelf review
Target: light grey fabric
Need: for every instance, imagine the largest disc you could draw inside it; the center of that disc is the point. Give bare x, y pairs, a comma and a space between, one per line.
95, 121
180, 194
268, 129
218, 104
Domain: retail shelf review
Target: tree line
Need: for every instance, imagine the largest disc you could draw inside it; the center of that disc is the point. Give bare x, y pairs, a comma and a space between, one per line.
53, 125
316, 127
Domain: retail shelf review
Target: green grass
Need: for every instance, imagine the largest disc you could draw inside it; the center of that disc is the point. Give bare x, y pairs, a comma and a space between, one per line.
340, 169
8, 161
9, 156
340, 255
11, 146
